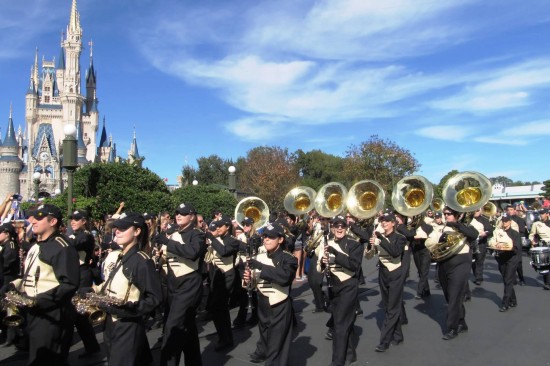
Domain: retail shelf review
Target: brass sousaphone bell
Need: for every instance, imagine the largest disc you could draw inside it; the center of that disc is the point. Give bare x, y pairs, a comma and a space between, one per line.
299, 200
330, 199
254, 208
365, 199
412, 195
467, 191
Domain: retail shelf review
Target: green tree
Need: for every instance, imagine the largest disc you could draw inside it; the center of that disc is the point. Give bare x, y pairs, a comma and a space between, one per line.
505, 181
438, 189
269, 173
205, 199
380, 160
546, 189
101, 187
213, 170
317, 168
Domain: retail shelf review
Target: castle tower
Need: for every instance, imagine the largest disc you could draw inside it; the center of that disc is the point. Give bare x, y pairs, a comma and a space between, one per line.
10, 163
53, 99
133, 153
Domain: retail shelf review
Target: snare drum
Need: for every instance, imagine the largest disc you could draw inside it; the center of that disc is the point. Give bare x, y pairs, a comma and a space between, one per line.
540, 259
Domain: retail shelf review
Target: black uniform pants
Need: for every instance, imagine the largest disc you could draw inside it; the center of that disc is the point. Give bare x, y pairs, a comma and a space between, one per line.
315, 281
422, 260
519, 265
507, 267
479, 261
453, 278
343, 305
82, 323
50, 335
391, 290
221, 286
546, 278
126, 342
275, 328
180, 329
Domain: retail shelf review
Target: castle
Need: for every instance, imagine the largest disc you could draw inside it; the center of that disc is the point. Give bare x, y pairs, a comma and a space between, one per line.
53, 99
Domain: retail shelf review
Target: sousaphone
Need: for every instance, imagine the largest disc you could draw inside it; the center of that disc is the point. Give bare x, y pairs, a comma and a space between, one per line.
254, 208
365, 199
299, 200
329, 201
412, 195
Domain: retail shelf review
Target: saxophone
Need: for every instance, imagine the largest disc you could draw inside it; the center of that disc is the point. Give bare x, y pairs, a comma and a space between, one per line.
14, 300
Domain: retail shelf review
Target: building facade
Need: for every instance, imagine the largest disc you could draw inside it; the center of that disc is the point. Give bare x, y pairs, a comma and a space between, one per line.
57, 95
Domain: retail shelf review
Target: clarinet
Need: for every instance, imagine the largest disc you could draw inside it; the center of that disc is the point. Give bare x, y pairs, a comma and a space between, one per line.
326, 270
251, 251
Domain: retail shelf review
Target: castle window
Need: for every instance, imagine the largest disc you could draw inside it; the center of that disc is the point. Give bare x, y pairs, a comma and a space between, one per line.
47, 89
46, 99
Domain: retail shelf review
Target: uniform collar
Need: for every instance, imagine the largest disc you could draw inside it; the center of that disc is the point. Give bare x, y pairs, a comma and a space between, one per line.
133, 250
277, 252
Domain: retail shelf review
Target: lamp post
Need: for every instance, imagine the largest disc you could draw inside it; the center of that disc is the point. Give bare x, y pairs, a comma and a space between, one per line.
232, 180
36, 181
195, 182
69, 161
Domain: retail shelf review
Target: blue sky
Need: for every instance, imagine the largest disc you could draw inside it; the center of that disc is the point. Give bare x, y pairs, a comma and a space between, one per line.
462, 84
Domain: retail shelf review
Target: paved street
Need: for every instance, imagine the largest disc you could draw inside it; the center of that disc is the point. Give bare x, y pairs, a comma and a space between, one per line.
517, 337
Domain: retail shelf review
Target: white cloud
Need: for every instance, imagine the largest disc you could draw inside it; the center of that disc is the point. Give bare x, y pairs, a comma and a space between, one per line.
530, 129
445, 132
499, 140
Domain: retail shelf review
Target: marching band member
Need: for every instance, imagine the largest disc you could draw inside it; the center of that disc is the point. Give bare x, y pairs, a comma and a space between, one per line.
507, 242
182, 258
84, 243
402, 228
453, 272
129, 277
9, 271
315, 275
343, 259
540, 234
390, 246
522, 229
485, 230
273, 270
421, 255
50, 277
222, 275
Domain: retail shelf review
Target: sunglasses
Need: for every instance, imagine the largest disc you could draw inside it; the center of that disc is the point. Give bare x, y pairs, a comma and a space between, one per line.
448, 213
270, 236
340, 226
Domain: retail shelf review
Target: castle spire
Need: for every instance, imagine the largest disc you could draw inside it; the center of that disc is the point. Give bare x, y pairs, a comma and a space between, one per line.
35, 71
134, 153
10, 140
74, 22
103, 139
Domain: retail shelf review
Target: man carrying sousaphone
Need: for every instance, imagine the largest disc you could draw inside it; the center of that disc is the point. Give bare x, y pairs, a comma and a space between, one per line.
507, 242
453, 269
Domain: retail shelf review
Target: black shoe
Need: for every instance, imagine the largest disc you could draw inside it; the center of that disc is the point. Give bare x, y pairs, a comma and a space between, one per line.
477, 282
522, 283
462, 328
359, 311
329, 335
513, 304
546, 287
450, 335
7, 344
503, 308
318, 310
418, 297
381, 347
87, 354
396, 342
256, 358
222, 346
467, 298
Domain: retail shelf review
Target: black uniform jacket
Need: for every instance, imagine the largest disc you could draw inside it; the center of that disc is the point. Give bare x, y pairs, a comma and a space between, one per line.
283, 272
354, 251
138, 267
64, 260
394, 243
84, 242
